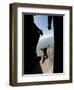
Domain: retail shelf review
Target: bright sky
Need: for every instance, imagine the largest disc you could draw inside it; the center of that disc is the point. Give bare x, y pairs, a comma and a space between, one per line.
42, 22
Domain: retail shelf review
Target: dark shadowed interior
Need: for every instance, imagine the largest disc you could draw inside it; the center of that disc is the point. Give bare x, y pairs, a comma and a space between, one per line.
58, 41
31, 37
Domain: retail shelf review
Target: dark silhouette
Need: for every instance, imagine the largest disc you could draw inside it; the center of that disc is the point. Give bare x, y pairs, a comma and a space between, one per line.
36, 32
31, 37
58, 42
45, 53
